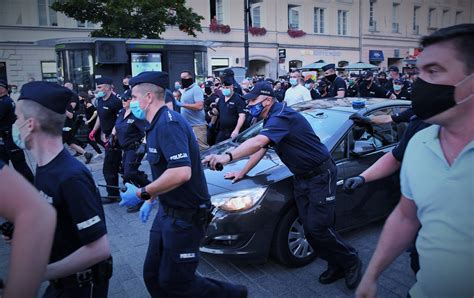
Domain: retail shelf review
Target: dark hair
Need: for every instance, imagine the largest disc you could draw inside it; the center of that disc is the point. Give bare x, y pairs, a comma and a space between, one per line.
462, 37
188, 72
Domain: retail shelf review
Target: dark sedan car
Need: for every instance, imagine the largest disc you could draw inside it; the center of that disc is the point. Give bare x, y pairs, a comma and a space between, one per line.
257, 216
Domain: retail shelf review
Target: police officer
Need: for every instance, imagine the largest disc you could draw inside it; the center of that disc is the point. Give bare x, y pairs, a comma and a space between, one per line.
228, 73
108, 106
178, 229
80, 262
8, 150
398, 90
130, 132
338, 87
231, 112
309, 84
301, 150
368, 88
395, 75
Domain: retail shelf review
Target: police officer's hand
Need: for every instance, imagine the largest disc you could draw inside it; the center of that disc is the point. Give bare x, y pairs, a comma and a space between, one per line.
92, 135
360, 119
353, 183
129, 197
145, 210
235, 176
141, 150
213, 159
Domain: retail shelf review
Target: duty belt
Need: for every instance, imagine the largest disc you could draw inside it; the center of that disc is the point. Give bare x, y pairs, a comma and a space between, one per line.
201, 215
323, 167
100, 272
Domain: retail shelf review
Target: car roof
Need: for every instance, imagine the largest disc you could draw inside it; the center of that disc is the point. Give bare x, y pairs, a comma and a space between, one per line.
344, 104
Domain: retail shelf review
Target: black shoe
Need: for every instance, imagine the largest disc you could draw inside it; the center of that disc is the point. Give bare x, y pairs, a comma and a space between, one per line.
88, 157
331, 275
110, 199
353, 275
135, 208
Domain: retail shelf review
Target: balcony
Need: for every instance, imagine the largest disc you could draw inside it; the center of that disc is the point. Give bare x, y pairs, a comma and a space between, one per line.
372, 26
395, 28
416, 30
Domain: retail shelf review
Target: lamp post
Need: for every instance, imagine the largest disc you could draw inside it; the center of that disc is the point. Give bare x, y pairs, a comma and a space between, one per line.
246, 37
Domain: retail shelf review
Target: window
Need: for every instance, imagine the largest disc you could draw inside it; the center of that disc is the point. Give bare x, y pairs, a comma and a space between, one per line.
256, 17
85, 24
47, 16
219, 63
342, 22
319, 20
395, 8
293, 17
48, 71
372, 22
217, 10
431, 18
293, 64
416, 28
445, 21
458, 17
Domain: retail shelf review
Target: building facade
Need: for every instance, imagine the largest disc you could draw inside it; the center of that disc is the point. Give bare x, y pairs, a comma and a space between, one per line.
383, 32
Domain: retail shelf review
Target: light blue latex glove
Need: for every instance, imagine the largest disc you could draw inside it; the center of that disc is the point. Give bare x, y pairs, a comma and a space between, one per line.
129, 197
178, 103
145, 210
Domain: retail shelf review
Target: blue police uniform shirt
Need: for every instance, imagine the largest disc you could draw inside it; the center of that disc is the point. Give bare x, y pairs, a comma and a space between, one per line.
7, 113
171, 143
107, 111
338, 85
130, 130
297, 145
229, 111
68, 185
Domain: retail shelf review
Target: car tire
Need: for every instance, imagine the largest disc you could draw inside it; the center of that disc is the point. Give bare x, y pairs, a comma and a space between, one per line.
289, 232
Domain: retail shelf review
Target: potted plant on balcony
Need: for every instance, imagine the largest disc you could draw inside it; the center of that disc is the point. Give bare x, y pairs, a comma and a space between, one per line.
216, 27
295, 33
257, 31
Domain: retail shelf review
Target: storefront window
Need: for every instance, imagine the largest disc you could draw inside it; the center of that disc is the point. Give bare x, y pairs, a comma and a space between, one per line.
200, 66
76, 66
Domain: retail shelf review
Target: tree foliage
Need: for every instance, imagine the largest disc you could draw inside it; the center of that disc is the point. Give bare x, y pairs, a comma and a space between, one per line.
132, 18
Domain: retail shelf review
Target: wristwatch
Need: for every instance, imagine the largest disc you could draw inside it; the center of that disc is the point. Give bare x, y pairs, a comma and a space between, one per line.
144, 195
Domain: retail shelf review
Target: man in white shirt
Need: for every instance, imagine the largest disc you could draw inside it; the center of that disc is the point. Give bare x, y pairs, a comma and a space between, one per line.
296, 93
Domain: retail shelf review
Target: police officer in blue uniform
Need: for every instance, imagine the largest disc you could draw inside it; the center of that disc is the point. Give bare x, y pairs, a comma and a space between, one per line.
368, 88
399, 91
108, 107
337, 87
130, 132
80, 263
231, 112
178, 229
301, 150
8, 150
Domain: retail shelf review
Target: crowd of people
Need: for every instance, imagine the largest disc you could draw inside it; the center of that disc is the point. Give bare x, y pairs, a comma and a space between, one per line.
172, 127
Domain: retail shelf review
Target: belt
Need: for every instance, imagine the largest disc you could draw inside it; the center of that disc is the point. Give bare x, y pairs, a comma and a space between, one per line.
100, 272
323, 167
199, 215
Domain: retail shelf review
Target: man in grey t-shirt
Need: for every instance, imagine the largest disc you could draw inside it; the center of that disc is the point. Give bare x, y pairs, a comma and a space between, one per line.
192, 108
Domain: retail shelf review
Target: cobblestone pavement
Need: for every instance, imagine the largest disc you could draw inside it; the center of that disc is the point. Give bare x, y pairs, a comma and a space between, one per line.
129, 241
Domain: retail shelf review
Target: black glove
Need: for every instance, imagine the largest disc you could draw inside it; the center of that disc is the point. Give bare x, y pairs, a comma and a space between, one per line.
141, 150
360, 119
351, 184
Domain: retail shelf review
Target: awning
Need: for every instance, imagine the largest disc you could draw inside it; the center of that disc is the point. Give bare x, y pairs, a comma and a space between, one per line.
376, 55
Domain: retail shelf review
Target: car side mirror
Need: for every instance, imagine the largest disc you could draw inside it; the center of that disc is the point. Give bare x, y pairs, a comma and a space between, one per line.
362, 147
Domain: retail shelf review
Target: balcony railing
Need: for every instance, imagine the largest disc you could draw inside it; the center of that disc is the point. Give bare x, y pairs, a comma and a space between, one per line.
395, 27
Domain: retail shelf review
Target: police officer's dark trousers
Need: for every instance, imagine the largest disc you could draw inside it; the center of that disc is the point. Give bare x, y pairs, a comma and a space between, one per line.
172, 259
110, 170
131, 162
10, 152
223, 135
316, 202
93, 290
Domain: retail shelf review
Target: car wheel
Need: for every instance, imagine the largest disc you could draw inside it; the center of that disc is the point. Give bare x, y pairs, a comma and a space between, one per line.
290, 246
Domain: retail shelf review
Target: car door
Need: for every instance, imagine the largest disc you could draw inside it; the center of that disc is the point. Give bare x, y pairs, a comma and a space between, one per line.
358, 150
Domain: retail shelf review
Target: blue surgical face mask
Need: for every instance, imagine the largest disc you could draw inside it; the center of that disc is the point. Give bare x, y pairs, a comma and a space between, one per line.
307, 86
293, 81
137, 111
16, 135
256, 110
397, 87
100, 94
177, 86
226, 92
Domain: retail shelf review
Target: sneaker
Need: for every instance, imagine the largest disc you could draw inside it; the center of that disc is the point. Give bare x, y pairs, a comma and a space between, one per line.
88, 157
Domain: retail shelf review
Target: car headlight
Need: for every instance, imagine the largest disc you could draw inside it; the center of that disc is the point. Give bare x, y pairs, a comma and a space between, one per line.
238, 200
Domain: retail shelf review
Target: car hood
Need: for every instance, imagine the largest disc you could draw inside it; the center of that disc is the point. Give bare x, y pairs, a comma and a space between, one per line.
269, 170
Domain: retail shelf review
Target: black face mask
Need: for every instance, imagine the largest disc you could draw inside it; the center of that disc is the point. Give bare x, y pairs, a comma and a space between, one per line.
331, 77
186, 82
207, 90
431, 99
382, 81
126, 87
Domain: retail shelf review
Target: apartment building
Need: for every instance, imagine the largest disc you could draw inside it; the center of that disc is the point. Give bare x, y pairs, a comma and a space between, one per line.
383, 32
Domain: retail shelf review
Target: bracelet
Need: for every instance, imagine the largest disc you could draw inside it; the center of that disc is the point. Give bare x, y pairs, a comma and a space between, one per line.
230, 156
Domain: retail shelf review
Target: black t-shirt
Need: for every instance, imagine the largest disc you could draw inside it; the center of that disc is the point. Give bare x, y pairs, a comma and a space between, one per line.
295, 141
314, 94
171, 143
338, 85
402, 95
208, 99
229, 111
107, 111
414, 126
7, 113
68, 185
373, 91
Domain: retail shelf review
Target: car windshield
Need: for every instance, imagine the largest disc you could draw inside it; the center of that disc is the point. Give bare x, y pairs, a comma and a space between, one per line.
324, 122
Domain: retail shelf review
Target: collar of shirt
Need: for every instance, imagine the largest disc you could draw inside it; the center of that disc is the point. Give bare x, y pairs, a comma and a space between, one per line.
156, 117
